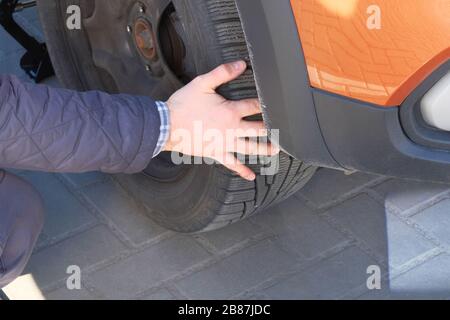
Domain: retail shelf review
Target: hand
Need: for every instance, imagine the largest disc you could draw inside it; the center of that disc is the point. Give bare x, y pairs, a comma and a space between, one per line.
212, 122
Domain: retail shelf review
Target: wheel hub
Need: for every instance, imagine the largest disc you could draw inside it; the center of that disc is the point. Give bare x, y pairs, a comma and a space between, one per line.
158, 39
140, 48
145, 39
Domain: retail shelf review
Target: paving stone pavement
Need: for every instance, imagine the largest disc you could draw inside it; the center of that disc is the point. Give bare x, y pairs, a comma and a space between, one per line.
316, 245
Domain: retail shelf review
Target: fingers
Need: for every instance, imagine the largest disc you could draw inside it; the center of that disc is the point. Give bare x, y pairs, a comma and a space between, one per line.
255, 148
233, 164
246, 107
251, 129
222, 74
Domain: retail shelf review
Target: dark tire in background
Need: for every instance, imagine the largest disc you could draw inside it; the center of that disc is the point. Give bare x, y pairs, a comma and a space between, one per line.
192, 37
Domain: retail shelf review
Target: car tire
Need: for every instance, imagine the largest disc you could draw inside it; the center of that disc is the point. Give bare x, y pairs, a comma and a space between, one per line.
197, 198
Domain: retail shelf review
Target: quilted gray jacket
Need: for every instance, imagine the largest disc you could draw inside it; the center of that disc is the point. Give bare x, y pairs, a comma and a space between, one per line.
58, 130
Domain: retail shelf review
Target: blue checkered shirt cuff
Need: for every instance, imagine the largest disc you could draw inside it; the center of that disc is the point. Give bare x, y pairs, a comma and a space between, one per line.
164, 129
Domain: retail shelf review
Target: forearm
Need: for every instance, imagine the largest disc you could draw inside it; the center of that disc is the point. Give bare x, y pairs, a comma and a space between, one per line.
59, 130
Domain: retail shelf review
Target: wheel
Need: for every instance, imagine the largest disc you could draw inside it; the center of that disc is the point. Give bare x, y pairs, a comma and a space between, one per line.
153, 48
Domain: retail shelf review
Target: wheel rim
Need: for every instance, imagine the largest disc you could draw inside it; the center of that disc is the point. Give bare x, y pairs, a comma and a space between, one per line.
142, 52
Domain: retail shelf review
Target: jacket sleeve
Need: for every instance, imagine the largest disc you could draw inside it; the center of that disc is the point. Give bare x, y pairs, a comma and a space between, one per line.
58, 130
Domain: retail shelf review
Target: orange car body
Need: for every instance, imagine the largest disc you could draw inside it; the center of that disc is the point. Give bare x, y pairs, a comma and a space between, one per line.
377, 51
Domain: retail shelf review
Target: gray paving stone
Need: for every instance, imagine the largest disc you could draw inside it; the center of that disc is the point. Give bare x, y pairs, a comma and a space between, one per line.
8, 47
390, 238
328, 279
436, 220
10, 65
161, 294
328, 185
299, 230
377, 294
29, 15
238, 272
228, 237
430, 280
64, 213
85, 249
33, 26
404, 243
10, 52
406, 195
116, 206
65, 294
85, 179
144, 270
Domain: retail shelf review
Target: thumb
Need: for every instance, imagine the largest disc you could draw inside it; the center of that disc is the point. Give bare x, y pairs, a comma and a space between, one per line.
223, 74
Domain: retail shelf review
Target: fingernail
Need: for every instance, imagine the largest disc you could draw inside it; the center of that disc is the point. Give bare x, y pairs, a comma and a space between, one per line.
238, 65
251, 177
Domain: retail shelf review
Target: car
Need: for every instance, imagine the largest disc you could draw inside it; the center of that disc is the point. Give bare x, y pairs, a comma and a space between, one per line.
352, 85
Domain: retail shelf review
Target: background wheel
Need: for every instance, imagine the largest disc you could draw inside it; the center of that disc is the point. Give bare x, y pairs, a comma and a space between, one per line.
153, 47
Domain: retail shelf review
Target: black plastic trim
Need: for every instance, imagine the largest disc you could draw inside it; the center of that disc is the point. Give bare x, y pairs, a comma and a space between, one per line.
282, 79
411, 117
364, 137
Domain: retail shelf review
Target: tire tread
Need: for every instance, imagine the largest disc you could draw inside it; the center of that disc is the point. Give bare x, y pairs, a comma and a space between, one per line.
293, 174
